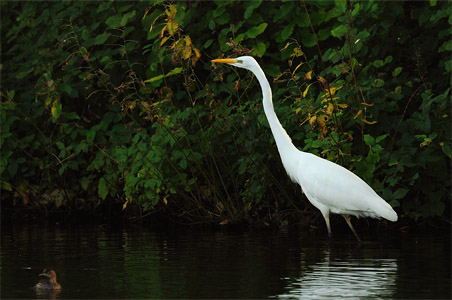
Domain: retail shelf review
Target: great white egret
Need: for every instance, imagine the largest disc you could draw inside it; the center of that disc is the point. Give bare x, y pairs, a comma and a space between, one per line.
329, 187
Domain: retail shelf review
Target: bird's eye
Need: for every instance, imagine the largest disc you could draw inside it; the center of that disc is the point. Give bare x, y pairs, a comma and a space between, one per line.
239, 61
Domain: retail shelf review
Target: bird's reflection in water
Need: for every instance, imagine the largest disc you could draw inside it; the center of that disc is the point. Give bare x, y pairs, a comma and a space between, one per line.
47, 294
339, 277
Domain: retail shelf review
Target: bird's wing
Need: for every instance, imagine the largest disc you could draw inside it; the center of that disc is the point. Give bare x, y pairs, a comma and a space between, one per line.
336, 187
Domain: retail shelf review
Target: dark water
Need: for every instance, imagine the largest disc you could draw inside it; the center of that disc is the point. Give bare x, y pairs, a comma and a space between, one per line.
99, 263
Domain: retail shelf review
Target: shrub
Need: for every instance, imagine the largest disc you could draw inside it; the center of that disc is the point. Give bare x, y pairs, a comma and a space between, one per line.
117, 102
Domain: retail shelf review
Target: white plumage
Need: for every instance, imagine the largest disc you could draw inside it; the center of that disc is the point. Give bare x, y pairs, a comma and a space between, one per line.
328, 186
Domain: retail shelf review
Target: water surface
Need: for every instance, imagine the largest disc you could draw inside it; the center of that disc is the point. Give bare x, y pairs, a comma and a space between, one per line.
95, 262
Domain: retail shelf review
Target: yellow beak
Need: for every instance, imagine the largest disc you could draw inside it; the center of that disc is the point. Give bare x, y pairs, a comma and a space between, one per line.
225, 60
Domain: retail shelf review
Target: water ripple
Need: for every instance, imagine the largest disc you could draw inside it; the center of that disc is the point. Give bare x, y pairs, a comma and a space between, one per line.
351, 278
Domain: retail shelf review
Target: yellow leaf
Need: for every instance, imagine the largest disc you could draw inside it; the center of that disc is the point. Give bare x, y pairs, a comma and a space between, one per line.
329, 109
297, 110
297, 52
321, 120
333, 90
306, 90
145, 13
162, 32
187, 40
172, 27
312, 120
171, 13
224, 222
357, 114
165, 200
48, 101
163, 41
308, 75
327, 97
179, 44
285, 47
7, 186
25, 200
186, 52
128, 199
236, 85
342, 105
323, 81
299, 65
196, 57
55, 110
368, 122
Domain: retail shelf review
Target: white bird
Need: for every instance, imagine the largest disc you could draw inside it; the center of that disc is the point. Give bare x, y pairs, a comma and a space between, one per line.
329, 187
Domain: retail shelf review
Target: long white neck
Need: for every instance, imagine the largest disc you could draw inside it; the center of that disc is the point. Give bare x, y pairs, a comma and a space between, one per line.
283, 141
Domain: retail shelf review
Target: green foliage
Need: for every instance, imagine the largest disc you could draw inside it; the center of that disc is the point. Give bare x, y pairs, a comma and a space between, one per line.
117, 102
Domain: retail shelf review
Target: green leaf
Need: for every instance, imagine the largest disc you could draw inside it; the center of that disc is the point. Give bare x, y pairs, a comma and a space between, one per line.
212, 25
433, 208
308, 39
272, 70
341, 5
85, 34
62, 169
285, 33
221, 20
302, 20
125, 19
174, 71
60, 145
90, 134
284, 11
64, 87
114, 21
400, 193
242, 167
446, 149
446, 46
208, 43
12, 168
170, 73
378, 63
25, 73
339, 31
380, 138
251, 6
254, 31
183, 163
355, 10
70, 115
81, 147
259, 49
84, 182
101, 38
362, 35
378, 83
369, 140
102, 188
397, 71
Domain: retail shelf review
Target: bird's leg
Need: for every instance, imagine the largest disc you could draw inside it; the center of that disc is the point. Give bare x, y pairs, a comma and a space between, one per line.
326, 216
347, 219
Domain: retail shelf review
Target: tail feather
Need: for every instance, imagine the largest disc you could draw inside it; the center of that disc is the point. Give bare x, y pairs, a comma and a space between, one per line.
382, 208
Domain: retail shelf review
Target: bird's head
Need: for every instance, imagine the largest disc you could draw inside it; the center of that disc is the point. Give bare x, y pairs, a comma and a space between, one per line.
246, 62
48, 272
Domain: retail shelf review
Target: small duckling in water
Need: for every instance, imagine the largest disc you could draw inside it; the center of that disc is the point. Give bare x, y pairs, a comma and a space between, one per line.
48, 283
